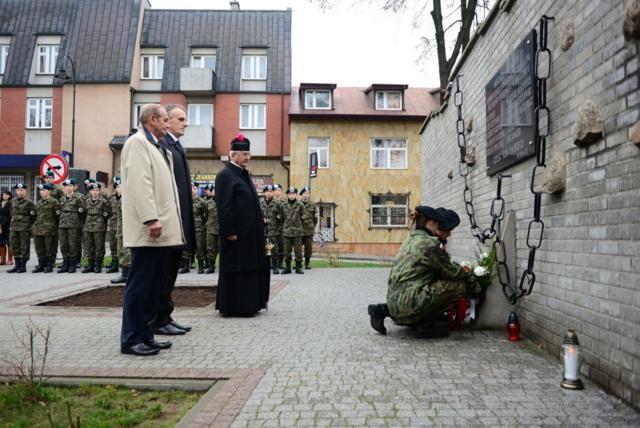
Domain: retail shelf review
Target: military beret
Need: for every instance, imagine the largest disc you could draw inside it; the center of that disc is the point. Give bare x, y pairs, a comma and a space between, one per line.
195, 184
240, 143
428, 212
20, 186
93, 186
266, 188
46, 186
49, 173
90, 181
69, 181
449, 219
117, 179
304, 189
292, 190
277, 186
210, 187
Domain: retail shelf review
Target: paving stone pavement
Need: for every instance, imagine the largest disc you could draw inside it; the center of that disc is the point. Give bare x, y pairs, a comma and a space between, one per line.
324, 365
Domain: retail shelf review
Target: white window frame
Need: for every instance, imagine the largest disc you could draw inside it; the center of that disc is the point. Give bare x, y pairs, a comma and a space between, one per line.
311, 102
385, 102
388, 208
136, 114
253, 116
319, 149
254, 67
40, 106
156, 67
4, 54
201, 61
193, 112
50, 55
387, 151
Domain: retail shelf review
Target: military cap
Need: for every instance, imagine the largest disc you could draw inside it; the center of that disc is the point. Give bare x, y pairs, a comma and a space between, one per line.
90, 181
449, 219
428, 212
117, 179
20, 186
292, 190
69, 181
46, 186
93, 186
240, 143
266, 188
277, 186
304, 189
194, 183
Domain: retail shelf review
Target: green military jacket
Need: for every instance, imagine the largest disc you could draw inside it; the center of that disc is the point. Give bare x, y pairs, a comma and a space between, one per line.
212, 217
310, 218
57, 193
199, 213
113, 205
23, 212
281, 223
118, 216
272, 211
292, 217
97, 214
71, 212
47, 211
419, 264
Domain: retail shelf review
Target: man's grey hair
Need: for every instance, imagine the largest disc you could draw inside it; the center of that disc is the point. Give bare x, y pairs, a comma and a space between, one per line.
149, 110
171, 107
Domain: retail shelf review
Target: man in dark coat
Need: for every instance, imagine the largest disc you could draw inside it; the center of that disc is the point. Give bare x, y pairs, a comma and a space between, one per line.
164, 324
243, 282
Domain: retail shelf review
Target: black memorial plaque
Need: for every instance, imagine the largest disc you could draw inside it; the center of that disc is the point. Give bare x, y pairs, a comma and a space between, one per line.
510, 98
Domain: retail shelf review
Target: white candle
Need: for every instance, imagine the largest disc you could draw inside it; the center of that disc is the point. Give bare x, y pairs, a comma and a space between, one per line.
570, 362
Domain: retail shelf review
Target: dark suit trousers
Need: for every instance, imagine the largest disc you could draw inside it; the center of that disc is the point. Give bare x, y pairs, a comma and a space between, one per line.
164, 304
145, 275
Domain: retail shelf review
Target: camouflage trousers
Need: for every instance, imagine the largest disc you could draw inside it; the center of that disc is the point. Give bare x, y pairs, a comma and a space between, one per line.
113, 246
296, 243
20, 242
201, 246
124, 254
94, 245
415, 303
46, 246
307, 242
80, 244
68, 239
213, 243
279, 242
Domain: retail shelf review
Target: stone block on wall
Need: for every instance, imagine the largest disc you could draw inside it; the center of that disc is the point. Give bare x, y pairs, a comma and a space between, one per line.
589, 124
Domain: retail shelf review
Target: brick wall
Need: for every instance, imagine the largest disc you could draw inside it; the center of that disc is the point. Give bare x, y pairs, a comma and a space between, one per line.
12, 120
588, 269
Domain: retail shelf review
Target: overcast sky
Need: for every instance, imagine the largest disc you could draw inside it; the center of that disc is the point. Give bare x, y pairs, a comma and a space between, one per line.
349, 46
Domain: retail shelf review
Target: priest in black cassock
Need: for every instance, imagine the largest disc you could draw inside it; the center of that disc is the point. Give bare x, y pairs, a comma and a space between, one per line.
243, 282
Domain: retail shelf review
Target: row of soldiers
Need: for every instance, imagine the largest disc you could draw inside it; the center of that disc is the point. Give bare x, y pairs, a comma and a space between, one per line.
205, 215
67, 218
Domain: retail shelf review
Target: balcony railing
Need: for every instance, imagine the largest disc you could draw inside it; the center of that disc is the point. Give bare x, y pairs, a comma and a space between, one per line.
197, 80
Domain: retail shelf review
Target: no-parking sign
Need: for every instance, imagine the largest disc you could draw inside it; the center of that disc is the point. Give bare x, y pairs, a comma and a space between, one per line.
56, 164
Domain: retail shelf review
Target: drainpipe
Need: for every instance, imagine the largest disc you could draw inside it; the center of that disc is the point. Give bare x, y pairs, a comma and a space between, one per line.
282, 162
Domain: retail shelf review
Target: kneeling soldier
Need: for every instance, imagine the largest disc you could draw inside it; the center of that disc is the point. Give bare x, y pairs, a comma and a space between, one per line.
292, 217
97, 210
45, 229
23, 212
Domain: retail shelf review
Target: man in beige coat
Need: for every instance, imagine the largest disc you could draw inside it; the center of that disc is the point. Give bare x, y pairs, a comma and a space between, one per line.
151, 227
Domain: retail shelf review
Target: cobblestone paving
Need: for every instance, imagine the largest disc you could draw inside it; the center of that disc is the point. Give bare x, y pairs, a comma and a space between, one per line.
324, 365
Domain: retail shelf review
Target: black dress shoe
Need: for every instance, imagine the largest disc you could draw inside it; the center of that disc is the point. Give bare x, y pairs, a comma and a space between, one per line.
141, 350
168, 330
376, 318
159, 345
180, 326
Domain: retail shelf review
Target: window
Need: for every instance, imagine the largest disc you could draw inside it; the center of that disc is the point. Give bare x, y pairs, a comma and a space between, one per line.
317, 99
389, 210
47, 57
136, 115
320, 146
203, 61
4, 52
252, 116
388, 100
39, 113
389, 153
254, 67
200, 114
152, 66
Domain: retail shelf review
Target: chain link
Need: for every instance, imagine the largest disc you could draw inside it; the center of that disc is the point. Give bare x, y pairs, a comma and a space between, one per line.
535, 229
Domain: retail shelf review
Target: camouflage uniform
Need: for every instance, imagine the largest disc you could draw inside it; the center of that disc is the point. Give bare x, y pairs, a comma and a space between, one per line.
112, 225
213, 233
71, 215
272, 211
292, 217
124, 253
44, 230
423, 280
199, 220
57, 193
80, 236
95, 224
23, 212
308, 229
279, 236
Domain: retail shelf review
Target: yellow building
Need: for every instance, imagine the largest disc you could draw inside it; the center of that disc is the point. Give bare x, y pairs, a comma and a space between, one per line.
368, 151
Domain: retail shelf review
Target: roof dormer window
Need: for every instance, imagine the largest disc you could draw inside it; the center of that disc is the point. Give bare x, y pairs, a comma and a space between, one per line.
4, 53
388, 100
319, 99
47, 57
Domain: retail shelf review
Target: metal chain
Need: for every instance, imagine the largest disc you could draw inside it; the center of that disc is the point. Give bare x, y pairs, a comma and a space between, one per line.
536, 226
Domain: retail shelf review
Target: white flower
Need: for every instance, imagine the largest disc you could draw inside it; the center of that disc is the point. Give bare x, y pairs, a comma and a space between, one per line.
483, 256
465, 264
480, 271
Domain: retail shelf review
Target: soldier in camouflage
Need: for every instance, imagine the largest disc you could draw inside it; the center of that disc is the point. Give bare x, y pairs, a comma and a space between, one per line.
199, 220
45, 229
97, 211
423, 282
70, 216
292, 218
280, 199
80, 238
212, 230
23, 213
272, 211
124, 253
49, 178
308, 225
112, 225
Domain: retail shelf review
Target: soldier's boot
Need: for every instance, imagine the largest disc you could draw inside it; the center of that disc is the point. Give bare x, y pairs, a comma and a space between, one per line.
287, 268
16, 266
211, 267
72, 266
299, 267
274, 267
114, 266
3, 253
89, 268
377, 314
307, 262
40, 266
98, 267
184, 265
201, 265
23, 266
65, 266
48, 268
122, 279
